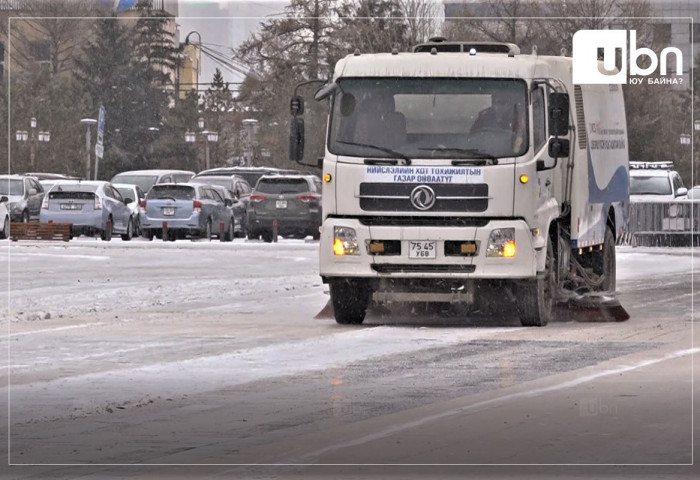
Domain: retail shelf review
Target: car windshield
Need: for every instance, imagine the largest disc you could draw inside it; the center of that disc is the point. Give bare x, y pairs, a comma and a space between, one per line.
11, 187
175, 192
429, 118
126, 192
282, 185
143, 181
650, 186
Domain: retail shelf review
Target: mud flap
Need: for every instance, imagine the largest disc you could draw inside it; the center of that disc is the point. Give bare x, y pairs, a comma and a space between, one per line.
593, 308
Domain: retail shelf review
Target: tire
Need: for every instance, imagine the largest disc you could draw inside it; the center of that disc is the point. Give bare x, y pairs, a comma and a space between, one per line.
230, 233
536, 299
605, 264
5, 228
148, 234
252, 235
107, 232
267, 236
207, 231
25, 217
316, 234
129, 232
350, 300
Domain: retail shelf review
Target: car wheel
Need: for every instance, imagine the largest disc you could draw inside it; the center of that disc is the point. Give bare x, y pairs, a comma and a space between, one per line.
129, 232
231, 232
5, 228
148, 234
316, 234
267, 236
107, 232
207, 231
25, 217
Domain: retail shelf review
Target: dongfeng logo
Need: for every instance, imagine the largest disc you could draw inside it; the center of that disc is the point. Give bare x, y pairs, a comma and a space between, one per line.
588, 44
423, 197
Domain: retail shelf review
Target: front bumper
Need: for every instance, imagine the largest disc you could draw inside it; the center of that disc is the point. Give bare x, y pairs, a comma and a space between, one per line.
522, 265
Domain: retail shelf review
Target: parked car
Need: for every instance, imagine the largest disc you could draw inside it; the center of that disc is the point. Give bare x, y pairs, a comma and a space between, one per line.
92, 207
234, 210
5, 216
294, 201
186, 209
693, 193
655, 181
239, 190
249, 174
136, 195
51, 176
147, 178
24, 194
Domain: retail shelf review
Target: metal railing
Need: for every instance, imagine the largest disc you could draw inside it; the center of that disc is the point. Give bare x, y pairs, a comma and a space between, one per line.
663, 224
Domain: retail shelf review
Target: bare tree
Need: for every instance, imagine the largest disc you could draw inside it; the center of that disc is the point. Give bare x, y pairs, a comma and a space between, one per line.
497, 20
423, 17
50, 33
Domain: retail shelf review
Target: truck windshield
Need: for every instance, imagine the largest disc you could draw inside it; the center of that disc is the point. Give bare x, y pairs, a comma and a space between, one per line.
441, 118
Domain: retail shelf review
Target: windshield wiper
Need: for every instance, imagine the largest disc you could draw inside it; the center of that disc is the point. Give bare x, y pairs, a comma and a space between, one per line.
480, 157
381, 149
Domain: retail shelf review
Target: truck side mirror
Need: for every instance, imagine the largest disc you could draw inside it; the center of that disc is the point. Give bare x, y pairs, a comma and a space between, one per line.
558, 114
296, 139
296, 105
558, 147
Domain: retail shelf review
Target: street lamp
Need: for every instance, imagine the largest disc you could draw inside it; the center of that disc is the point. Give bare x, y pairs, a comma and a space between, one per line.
23, 136
87, 122
191, 137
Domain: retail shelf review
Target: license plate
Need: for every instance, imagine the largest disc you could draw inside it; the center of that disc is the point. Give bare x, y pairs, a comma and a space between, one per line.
281, 203
71, 206
168, 210
422, 249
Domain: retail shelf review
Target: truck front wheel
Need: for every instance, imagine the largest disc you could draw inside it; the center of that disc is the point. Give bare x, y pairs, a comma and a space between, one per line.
536, 298
350, 299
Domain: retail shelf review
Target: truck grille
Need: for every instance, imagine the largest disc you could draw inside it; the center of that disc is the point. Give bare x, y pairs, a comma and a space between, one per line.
449, 197
409, 221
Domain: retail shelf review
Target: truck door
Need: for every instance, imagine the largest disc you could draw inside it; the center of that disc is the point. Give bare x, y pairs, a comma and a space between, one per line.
545, 180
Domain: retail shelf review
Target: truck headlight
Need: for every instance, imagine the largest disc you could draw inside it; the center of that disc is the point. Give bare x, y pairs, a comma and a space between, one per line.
501, 243
345, 241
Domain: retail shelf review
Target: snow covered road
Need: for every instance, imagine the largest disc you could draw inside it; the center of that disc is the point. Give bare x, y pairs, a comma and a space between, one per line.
199, 352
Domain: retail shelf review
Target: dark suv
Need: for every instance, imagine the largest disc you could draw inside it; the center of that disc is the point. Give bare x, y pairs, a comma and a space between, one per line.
293, 201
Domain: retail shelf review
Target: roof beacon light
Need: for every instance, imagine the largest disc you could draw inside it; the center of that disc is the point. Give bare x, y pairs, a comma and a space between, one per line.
472, 51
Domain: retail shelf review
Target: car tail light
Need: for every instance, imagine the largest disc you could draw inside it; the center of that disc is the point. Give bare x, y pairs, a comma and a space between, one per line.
308, 197
142, 204
98, 203
45, 203
197, 205
257, 197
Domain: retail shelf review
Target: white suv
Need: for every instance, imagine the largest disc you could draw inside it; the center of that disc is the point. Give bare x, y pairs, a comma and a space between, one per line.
650, 181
